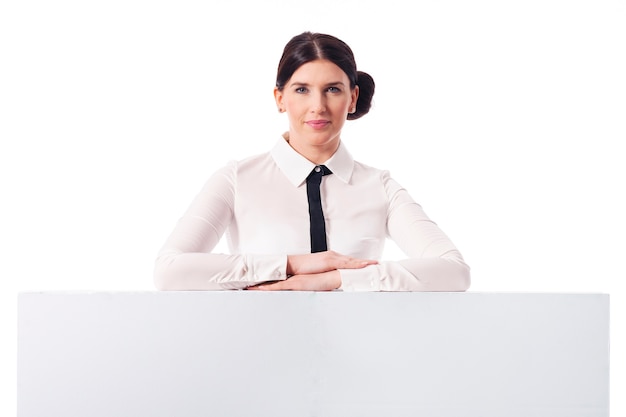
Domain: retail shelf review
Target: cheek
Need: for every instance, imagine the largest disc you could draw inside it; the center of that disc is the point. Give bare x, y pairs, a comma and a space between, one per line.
293, 106
343, 105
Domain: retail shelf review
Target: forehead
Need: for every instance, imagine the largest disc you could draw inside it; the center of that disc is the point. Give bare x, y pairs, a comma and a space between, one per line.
319, 71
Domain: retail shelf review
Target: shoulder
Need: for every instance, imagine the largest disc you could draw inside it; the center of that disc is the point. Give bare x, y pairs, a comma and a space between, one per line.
364, 170
253, 162
235, 167
382, 178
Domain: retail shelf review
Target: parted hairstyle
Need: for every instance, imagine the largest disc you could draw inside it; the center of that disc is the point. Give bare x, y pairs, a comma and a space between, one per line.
309, 46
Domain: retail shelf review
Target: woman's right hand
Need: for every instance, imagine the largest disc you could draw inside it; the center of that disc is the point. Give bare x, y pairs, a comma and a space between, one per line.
313, 263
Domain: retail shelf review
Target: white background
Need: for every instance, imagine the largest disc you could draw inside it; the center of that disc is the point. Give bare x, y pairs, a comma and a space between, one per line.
505, 120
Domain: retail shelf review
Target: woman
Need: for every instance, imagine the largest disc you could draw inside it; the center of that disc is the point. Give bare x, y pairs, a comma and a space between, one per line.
306, 216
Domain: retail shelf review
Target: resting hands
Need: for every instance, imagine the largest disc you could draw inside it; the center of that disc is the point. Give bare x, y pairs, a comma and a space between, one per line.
315, 272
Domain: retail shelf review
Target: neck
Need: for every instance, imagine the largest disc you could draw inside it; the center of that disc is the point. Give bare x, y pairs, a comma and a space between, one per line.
316, 153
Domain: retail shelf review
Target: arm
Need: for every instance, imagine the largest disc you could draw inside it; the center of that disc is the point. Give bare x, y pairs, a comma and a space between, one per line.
315, 272
185, 262
433, 262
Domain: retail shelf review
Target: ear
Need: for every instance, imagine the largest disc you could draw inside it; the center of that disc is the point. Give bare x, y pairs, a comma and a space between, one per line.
278, 96
355, 96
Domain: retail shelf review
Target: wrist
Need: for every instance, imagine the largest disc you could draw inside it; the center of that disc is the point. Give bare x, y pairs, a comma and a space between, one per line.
289, 269
335, 278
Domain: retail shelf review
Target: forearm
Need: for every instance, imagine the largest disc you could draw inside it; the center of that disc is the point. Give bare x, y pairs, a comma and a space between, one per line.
447, 273
209, 271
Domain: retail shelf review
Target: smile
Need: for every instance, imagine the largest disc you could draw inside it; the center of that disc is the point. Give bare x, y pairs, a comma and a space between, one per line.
318, 124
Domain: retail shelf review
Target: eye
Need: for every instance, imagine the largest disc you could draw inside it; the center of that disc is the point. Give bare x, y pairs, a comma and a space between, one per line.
301, 90
334, 89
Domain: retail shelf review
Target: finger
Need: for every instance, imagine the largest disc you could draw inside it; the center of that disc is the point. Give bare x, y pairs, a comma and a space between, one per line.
274, 286
352, 263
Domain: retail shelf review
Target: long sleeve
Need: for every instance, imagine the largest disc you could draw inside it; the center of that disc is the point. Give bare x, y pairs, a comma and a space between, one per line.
433, 262
185, 261
259, 204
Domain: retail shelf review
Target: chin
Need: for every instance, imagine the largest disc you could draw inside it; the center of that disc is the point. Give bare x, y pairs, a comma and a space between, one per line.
321, 138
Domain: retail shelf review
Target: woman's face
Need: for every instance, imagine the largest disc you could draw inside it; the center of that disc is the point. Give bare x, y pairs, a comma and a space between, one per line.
317, 99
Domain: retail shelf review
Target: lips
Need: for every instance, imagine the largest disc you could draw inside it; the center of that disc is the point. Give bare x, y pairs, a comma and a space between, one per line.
318, 124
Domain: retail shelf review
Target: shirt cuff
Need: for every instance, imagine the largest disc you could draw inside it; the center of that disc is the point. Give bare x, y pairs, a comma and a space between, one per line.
261, 268
364, 279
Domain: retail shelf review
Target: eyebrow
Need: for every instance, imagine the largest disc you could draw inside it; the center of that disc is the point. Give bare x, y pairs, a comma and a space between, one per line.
296, 83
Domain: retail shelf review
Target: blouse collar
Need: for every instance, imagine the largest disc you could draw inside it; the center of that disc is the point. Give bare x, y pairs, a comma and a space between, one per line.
296, 167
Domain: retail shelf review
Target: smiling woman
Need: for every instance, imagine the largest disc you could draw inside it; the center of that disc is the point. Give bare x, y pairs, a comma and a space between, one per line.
306, 215
317, 98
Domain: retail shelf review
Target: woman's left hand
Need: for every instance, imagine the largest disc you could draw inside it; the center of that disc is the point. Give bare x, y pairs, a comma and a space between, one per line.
324, 281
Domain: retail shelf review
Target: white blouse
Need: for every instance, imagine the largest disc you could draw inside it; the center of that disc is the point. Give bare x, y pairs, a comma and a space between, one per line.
261, 204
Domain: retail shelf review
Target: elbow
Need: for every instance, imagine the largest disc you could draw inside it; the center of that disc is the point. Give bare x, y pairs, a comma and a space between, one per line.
454, 275
464, 280
160, 282
461, 273
161, 278
456, 278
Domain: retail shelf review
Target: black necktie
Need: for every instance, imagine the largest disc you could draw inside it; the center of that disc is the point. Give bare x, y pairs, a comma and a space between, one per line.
318, 227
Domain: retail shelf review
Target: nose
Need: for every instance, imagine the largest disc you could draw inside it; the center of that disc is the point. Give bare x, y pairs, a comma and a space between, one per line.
318, 103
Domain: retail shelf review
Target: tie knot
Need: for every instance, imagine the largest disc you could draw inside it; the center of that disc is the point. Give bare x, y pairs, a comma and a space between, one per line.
320, 169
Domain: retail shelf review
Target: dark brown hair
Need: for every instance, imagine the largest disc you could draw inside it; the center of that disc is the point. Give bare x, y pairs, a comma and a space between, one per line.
308, 47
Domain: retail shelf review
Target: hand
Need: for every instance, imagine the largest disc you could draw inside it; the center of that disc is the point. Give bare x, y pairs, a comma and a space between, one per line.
315, 263
324, 281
